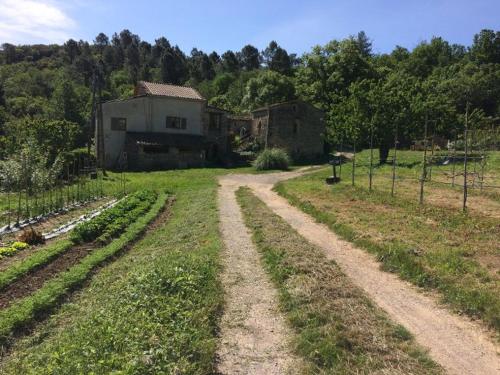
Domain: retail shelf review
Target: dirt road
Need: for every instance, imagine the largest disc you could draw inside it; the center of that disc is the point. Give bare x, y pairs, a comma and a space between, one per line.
254, 335
456, 343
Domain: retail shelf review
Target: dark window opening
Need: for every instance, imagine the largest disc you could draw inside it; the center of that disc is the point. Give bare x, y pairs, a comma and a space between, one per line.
259, 128
118, 123
214, 122
155, 149
176, 122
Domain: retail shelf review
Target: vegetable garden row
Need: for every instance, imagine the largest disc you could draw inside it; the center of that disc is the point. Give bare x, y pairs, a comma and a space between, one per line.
42, 284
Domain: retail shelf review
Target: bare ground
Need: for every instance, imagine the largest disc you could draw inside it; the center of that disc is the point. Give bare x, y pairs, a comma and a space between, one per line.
33, 280
254, 337
50, 223
456, 343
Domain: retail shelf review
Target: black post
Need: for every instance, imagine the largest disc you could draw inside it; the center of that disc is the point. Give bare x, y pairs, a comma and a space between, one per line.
371, 157
394, 161
424, 164
464, 207
353, 162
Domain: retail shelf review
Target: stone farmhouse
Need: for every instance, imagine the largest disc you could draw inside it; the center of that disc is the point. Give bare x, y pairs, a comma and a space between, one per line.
295, 126
166, 126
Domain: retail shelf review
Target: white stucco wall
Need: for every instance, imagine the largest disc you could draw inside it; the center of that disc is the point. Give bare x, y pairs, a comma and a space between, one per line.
147, 114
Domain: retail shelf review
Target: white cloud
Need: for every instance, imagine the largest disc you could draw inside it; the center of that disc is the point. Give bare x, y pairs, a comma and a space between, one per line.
34, 21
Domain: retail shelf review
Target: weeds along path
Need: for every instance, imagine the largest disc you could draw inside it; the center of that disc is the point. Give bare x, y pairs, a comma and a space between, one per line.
254, 335
456, 343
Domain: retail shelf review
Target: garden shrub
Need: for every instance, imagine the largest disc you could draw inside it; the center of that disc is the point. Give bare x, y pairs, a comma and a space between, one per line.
272, 158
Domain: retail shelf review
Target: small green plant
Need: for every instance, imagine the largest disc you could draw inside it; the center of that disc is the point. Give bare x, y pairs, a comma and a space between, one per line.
115, 220
272, 158
12, 249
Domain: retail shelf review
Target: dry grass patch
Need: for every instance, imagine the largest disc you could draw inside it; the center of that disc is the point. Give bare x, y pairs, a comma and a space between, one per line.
432, 246
338, 329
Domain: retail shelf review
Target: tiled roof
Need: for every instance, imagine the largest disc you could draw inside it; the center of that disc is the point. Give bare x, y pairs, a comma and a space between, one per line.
162, 89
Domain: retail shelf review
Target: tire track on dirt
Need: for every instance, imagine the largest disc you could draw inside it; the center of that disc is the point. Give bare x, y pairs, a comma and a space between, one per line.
254, 336
458, 344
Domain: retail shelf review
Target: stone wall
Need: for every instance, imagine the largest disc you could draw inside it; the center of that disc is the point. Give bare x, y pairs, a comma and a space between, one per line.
296, 126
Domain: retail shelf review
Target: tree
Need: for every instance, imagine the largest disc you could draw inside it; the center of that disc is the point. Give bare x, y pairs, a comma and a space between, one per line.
215, 60
72, 50
66, 103
250, 57
364, 43
101, 41
2, 95
167, 66
267, 88
277, 59
328, 71
9, 52
133, 62
230, 63
486, 47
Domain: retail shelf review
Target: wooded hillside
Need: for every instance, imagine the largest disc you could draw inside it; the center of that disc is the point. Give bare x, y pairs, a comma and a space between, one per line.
46, 90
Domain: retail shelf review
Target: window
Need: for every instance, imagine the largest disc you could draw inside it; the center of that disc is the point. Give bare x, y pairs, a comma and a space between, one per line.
259, 128
214, 121
176, 122
118, 123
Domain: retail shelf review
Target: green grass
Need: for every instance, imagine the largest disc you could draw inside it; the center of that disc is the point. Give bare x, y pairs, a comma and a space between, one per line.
153, 310
46, 254
42, 256
435, 246
24, 312
338, 330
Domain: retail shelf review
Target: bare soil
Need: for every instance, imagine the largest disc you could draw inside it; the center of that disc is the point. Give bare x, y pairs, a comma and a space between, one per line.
44, 226
32, 281
254, 337
35, 279
456, 343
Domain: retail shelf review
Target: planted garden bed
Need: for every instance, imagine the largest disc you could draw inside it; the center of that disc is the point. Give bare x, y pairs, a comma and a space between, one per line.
24, 278
25, 311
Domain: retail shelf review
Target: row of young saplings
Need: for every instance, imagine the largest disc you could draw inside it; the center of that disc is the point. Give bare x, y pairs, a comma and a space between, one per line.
111, 231
102, 228
33, 191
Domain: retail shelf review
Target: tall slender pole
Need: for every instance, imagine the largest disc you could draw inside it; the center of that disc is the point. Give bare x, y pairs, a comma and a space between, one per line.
432, 156
464, 207
353, 162
453, 159
341, 156
371, 157
483, 162
394, 160
424, 164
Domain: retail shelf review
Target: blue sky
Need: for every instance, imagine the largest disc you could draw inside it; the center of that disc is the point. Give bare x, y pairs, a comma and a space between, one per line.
221, 24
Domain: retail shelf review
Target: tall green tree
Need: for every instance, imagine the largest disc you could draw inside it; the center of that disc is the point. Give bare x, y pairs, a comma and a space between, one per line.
267, 88
250, 57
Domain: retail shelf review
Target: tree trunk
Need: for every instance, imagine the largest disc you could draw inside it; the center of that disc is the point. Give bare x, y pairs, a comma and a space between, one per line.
384, 152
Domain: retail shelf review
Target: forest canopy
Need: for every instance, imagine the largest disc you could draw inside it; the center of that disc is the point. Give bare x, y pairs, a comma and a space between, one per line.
53, 85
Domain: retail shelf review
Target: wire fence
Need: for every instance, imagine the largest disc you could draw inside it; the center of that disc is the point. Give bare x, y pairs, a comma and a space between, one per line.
78, 183
469, 163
